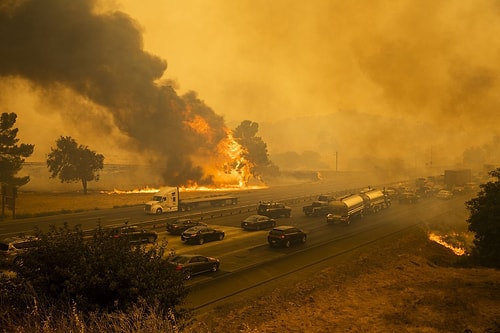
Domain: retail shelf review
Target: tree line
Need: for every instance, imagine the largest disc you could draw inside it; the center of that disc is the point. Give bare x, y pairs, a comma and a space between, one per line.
68, 161
73, 162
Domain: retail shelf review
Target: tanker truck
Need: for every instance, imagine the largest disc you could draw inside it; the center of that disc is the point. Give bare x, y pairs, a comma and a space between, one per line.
374, 200
167, 200
345, 208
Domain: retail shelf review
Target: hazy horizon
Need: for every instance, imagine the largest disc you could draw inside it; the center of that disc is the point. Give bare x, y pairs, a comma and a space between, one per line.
383, 85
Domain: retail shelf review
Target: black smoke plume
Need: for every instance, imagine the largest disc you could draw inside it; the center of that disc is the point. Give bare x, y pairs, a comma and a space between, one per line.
100, 56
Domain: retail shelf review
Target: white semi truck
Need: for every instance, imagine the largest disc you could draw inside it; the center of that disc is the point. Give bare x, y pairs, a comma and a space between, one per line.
167, 200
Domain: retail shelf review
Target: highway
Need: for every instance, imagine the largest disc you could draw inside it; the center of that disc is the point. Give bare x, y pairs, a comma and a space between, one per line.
252, 263
247, 261
248, 200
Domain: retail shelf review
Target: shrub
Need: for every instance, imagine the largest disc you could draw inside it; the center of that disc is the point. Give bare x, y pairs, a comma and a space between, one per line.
484, 221
97, 272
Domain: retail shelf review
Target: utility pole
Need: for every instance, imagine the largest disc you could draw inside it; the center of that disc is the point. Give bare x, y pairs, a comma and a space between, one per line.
336, 161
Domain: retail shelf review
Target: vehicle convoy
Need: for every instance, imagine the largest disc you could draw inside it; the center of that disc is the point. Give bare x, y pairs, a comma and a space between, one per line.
274, 209
319, 207
167, 199
356, 205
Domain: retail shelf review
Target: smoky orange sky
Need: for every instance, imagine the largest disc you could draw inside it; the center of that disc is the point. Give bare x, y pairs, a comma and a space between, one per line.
414, 80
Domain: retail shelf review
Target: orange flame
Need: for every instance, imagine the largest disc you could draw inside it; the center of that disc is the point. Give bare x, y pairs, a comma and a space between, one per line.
145, 189
439, 239
226, 166
199, 125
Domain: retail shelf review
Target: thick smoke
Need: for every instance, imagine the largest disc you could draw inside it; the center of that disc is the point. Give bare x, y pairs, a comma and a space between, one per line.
427, 70
60, 43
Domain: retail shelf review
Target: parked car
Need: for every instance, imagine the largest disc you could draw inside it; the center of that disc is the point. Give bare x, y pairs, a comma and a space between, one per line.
135, 234
201, 234
257, 222
11, 247
178, 226
444, 194
286, 236
274, 209
191, 264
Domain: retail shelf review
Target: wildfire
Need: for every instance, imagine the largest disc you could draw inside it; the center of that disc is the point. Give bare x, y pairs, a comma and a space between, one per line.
223, 158
440, 240
145, 189
199, 125
211, 159
226, 166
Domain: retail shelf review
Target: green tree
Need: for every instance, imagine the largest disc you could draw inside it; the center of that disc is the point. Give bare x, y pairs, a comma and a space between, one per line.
11, 154
484, 221
72, 162
255, 149
97, 272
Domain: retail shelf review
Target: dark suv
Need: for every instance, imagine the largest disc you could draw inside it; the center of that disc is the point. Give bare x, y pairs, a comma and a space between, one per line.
286, 236
274, 209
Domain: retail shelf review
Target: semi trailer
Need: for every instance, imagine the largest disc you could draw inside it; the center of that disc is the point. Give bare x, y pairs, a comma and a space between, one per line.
357, 205
167, 199
345, 208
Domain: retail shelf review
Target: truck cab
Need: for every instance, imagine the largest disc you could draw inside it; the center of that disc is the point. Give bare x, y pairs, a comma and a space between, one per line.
165, 200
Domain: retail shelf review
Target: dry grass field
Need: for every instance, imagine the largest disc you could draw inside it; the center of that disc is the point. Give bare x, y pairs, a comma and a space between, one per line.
37, 203
32, 204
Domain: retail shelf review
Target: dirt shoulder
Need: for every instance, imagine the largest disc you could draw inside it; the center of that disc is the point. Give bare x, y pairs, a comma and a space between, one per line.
411, 285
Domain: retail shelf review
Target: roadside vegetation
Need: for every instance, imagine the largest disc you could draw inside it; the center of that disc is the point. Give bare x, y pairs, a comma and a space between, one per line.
70, 278
484, 222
